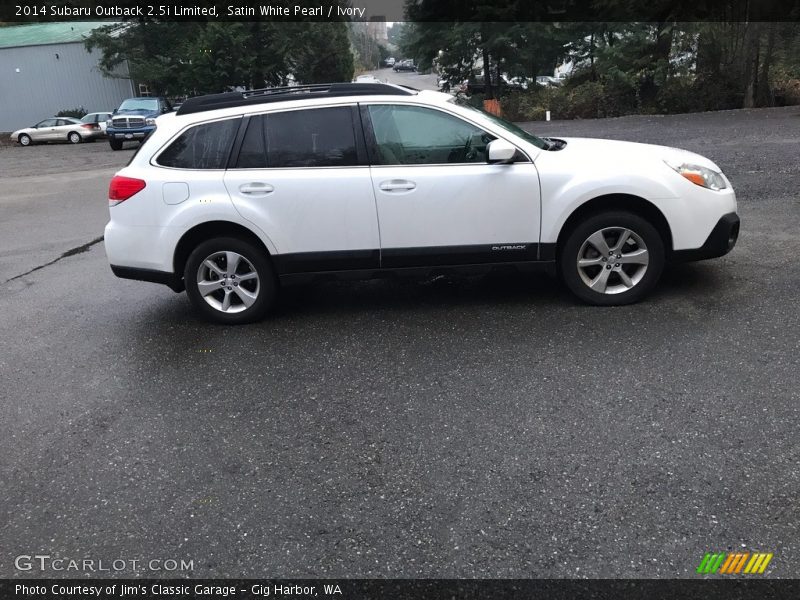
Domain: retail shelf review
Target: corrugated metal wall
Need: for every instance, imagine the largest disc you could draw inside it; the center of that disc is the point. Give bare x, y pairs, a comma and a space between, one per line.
38, 81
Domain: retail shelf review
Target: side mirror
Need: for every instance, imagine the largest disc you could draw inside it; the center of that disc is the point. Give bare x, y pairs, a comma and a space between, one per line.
113, 112
500, 151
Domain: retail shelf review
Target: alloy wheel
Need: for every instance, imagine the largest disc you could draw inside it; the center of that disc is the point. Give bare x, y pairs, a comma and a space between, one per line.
612, 260
228, 282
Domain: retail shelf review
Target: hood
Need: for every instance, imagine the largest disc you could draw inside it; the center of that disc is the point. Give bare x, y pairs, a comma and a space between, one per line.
142, 112
614, 151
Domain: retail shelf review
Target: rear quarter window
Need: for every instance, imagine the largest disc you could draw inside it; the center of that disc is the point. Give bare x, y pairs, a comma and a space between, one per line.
203, 146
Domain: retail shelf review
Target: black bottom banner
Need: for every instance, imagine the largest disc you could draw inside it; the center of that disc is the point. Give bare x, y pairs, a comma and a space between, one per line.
391, 589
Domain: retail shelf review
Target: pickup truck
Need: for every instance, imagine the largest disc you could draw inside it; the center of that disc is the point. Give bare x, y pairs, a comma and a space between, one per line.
134, 120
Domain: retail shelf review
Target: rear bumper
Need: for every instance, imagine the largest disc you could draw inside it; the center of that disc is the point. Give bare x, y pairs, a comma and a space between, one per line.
91, 134
720, 241
172, 281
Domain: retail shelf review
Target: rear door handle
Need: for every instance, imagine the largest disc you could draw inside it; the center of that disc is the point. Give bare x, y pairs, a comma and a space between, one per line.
256, 188
397, 185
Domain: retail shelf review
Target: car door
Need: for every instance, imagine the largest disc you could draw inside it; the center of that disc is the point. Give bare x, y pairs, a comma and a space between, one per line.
439, 201
302, 177
45, 130
62, 129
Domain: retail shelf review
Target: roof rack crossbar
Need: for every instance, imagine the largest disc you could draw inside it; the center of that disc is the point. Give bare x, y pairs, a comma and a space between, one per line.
278, 94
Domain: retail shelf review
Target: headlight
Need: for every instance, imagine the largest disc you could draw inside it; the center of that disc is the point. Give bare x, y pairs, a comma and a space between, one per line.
149, 121
109, 123
702, 176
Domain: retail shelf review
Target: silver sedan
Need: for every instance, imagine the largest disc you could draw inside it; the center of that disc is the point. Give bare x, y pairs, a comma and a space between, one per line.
57, 129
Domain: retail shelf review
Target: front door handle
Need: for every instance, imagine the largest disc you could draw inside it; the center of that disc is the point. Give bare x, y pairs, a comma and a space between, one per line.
397, 185
256, 189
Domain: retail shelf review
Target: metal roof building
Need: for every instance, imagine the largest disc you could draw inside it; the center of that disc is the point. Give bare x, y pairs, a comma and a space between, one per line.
45, 68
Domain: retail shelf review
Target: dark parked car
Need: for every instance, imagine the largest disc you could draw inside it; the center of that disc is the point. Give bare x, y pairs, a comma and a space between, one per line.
405, 65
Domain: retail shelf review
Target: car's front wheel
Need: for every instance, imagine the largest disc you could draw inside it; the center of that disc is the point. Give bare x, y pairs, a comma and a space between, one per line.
115, 144
24, 140
612, 258
230, 281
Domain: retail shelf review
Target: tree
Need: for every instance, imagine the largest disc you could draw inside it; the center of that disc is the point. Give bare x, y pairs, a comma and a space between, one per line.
155, 51
177, 59
321, 53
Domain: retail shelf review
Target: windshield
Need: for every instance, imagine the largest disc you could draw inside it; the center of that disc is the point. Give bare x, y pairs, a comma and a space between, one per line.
508, 126
150, 104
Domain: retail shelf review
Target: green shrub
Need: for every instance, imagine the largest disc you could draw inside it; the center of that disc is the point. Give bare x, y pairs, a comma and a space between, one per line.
584, 101
786, 92
76, 113
717, 93
530, 105
677, 95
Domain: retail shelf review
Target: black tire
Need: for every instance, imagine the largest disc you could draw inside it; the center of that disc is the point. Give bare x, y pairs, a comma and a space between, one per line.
610, 222
25, 140
265, 292
73, 137
115, 144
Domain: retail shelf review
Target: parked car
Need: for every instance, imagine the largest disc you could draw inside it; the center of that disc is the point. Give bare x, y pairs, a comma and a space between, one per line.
357, 182
389, 62
56, 129
548, 81
135, 119
404, 65
367, 79
97, 118
476, 85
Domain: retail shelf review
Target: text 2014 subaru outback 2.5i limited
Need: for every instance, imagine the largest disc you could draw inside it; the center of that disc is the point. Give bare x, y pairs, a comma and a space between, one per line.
237, 193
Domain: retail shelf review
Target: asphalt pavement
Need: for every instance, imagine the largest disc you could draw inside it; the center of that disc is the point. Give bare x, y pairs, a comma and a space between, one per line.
413, 79
449, 427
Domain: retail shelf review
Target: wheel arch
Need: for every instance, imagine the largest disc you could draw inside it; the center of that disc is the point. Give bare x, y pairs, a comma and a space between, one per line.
211, 229
627, 202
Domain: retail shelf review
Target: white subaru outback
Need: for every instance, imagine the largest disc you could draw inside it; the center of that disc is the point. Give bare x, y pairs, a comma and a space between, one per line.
238, 193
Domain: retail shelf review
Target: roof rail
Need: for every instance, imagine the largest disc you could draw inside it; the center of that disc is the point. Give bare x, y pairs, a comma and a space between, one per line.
295, 92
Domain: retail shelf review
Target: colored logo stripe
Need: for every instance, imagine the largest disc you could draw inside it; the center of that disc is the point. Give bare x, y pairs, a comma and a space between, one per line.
733, 563
758, 564
711, 562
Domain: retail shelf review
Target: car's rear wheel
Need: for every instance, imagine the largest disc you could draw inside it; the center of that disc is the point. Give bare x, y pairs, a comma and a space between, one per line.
115, 144
230, 281
612, 258
24, 140
74, 137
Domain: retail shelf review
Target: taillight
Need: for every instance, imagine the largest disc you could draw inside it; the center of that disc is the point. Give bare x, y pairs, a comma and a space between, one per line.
89, 126
121, 188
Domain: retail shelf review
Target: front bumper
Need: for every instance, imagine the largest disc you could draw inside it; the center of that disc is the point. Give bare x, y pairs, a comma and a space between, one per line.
129, 134
720, 241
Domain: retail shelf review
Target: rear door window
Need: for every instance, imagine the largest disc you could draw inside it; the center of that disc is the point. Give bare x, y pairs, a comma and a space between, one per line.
319, 137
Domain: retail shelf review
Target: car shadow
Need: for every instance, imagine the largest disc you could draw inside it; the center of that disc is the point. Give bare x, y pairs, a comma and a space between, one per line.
441, 292
450, 295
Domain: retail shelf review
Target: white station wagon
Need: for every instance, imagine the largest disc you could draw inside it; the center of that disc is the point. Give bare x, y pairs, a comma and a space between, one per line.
238, 193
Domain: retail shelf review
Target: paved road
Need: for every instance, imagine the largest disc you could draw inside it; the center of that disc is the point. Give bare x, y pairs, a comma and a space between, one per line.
407, 78
486, 427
